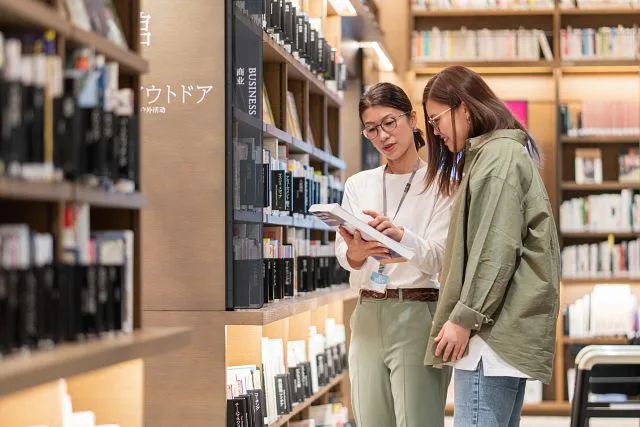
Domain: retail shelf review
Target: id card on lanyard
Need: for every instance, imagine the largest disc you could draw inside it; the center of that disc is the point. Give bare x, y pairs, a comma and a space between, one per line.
378, 280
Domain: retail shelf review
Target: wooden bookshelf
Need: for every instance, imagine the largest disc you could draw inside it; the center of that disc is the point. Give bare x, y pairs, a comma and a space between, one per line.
279, 310
600, 235
22, 372
544, 408
616, 280
603, 186
104, 374
595, 340
613, 10
298, 408
498, 13
34, 13
604, 139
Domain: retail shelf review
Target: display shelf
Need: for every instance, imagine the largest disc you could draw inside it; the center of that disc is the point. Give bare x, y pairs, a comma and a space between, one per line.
109, 199
589, 281
37, 191
23, 371
279, 310
600, 235
603, 139
272, 52
32, 13
595, 340
335, 381
460, 12
603, 186
544, 408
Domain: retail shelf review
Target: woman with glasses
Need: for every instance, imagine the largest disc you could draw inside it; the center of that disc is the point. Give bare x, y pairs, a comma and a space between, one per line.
390, 386
496, 318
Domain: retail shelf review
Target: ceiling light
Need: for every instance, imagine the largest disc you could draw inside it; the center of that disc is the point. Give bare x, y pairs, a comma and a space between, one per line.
384, 63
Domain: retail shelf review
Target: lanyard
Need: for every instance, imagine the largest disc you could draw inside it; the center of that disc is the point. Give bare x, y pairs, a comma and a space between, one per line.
404, 194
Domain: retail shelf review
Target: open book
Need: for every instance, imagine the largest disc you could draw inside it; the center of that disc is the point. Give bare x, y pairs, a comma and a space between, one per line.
334, 215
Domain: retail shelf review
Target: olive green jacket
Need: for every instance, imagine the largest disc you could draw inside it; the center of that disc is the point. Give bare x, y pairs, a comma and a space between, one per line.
501, 269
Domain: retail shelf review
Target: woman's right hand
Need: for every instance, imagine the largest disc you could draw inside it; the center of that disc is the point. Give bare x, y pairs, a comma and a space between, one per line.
358, 250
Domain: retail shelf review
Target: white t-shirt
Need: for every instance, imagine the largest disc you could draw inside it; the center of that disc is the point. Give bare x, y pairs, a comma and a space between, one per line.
492, 364
424, 215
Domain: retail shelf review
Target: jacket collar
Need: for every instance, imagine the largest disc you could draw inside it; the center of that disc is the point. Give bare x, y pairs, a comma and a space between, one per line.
476, 143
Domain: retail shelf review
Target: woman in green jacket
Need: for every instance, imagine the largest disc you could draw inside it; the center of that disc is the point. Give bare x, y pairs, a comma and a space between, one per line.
496, 318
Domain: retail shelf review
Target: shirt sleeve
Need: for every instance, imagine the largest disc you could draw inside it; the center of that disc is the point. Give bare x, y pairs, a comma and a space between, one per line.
429, 249
349, 203
494, 224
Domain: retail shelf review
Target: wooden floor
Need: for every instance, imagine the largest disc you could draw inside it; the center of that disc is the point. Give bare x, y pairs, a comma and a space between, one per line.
564, 422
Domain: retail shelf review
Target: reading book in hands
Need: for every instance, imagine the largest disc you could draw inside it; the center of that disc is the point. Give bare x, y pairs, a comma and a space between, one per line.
334, 215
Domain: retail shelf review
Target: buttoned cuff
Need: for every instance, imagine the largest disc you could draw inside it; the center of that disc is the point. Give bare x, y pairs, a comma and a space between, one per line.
468, 318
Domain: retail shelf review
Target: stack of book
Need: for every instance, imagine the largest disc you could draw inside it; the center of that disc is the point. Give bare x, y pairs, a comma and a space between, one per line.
601, 261
601, 117
261, 394
65, 118
604, 213
85, 293
599, 43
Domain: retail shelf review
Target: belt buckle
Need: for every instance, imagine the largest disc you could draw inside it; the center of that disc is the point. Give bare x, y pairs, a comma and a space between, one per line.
380, 295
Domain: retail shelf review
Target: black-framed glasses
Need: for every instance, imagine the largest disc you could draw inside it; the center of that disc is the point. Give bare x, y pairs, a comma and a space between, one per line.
433, 121
388, 125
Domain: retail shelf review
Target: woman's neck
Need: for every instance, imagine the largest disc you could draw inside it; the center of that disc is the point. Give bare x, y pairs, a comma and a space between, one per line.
405, 164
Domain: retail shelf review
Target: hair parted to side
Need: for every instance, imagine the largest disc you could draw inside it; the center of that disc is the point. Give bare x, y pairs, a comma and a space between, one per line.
389, 95
453, 86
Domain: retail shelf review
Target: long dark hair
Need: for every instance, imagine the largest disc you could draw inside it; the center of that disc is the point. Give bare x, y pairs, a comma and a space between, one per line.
453, 86
389, 95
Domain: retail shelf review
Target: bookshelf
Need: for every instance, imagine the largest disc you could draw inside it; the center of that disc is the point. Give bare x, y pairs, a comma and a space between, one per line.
547, 83
191, 226
97, 357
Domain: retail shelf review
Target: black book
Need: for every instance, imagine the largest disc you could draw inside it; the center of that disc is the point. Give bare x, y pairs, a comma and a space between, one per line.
282, 394
328, 360
13, 301
294, 28
12, 126
259, 402
266, 181
250, 405
337, 361
237, 413
322, 369
46, 308
288, 277
35, 136
288, 192
287, 30
301, 38
279, 277
297, 390
278, 178
313, 49
306, 379
116, 300
27, 306
5, 313
300, 196
266, 279
275, 15
305, 274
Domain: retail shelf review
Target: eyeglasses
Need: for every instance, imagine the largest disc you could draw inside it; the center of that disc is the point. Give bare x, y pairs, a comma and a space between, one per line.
387, 125
433, 121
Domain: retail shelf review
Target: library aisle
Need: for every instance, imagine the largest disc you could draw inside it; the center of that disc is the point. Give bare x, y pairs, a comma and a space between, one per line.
159, 262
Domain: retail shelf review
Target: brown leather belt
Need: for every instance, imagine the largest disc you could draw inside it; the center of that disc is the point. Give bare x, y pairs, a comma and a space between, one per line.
408, 294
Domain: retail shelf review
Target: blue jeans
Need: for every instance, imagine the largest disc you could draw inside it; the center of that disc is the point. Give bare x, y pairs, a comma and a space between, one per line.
487, 401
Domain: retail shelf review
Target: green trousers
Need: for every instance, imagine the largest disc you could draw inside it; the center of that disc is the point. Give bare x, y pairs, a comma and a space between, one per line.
390, 386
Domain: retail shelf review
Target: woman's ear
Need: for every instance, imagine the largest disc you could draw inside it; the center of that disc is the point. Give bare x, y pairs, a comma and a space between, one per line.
466, 112
413, 119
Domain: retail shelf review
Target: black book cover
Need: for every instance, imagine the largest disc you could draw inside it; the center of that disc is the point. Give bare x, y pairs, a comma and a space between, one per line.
13, 315
3, 121
293, 16
247, 182
250, 405
282, 394
304, 274
276, 14
288, 192
89, 287
342, 349
124, 160
115, 287
313, 49
68, 139
47, 304
266, 15
300, 195
278, 190
5, 313
288, 272
35, 139
328, 359
279, 275
289, 392
108, 148
27, 305
297, 390
337, 360
322, 369
134, 151
301, 37
103, 312
23, 150
237, 413
306, 379
320, 55
266, 181
13, 131
287, 30
259, 402
266, 279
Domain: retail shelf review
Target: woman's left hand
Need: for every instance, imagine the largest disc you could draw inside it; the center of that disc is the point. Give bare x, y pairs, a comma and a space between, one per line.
384, 225
452, 340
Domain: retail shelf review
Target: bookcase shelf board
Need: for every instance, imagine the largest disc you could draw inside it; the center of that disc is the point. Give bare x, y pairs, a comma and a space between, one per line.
617, 280
594, 340
600, 235
336, 381
604, 186
279, 310
37, 14
456, 13
604, 139
114, 200
486, 67
612, 10
40, 191
25, 371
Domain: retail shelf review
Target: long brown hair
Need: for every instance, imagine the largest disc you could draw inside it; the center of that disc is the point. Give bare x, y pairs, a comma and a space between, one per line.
389, 95
453, 86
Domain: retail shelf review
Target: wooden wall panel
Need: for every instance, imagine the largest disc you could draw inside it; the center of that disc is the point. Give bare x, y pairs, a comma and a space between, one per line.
183, 164
186, 387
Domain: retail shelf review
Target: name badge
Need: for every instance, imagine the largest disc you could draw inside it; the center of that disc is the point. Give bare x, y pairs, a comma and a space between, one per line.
379, 282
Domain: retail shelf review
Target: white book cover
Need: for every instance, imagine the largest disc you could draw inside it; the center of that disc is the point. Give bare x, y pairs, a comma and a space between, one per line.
334, 215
